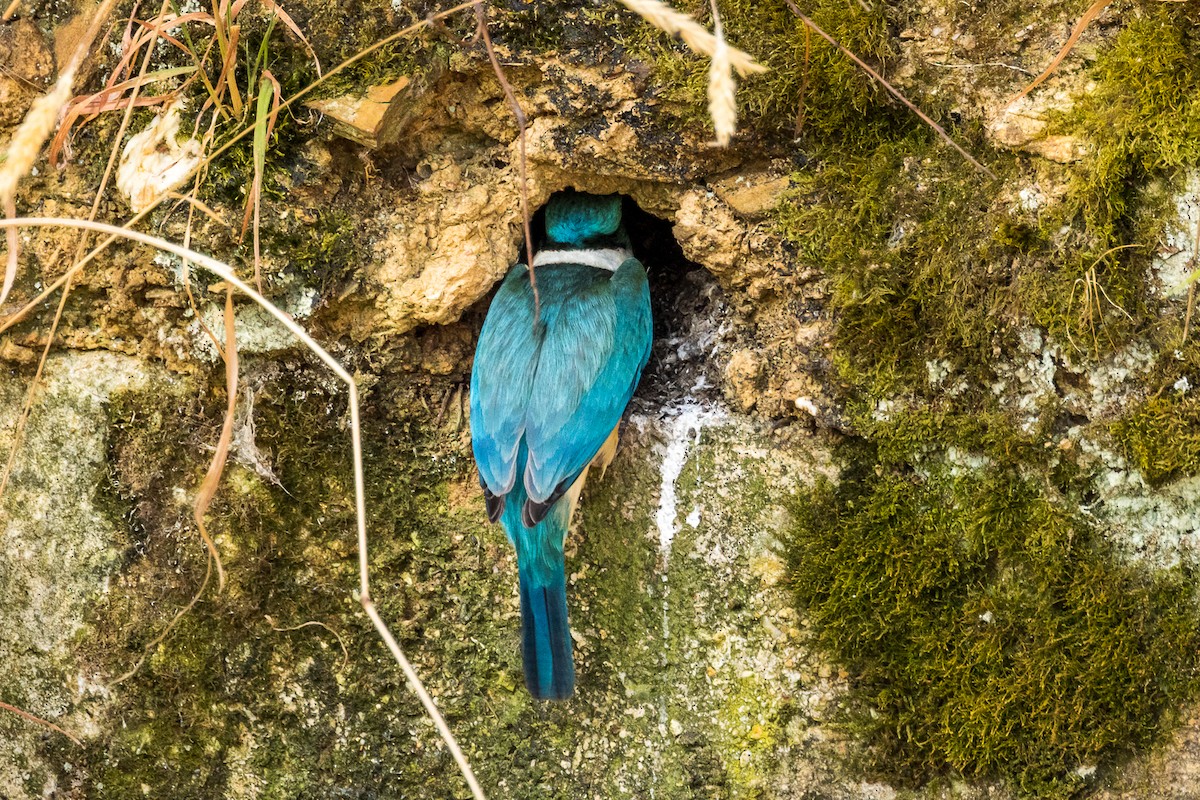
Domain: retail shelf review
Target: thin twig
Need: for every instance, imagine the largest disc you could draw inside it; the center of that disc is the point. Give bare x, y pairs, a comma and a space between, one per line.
481, 22
185, 266
802, 112
226, 273
180, 614
34, 718
199, 205
315, 623
894, 91
1013, 67
1187, 317
1191, 304
1077, 30
27, 409
212, 478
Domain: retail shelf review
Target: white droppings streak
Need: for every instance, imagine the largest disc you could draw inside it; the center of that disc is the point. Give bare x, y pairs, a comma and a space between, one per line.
683, 432
683, 425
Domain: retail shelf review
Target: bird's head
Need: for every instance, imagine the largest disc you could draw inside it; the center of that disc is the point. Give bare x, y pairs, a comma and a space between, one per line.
576, 219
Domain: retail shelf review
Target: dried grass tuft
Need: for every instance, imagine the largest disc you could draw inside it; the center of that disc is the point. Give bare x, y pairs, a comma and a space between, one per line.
27, 142
694, 35
722, 86
23, 151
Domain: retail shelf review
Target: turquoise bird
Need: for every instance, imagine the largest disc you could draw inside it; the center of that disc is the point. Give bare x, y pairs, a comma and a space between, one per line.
548, 387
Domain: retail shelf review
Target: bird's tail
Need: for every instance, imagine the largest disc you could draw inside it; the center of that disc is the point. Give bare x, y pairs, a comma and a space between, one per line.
546, 636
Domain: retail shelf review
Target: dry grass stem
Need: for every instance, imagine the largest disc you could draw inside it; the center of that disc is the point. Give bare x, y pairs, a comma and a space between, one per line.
199, 205
157, 640
29, 137
1093, 298
694, 35
27, 409
315, 624
722, 87
23, 151
212, 478
802, 111
36, 719
24, 311
482, 29
287, 20
1191, 281
892, 89
226, 273
1092, 12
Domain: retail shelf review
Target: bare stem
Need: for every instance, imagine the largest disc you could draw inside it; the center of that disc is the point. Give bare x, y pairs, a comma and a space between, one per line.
894, 91
481, 20
20, 314
226, 273
43, 722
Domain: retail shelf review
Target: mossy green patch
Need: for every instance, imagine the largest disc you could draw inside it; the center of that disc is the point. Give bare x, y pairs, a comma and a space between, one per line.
1141, 121
1161, 436
238, 692
810, 85
929, 259
243, 693
988, 632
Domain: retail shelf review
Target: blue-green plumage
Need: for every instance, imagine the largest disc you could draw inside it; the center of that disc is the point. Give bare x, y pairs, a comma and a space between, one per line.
547, 389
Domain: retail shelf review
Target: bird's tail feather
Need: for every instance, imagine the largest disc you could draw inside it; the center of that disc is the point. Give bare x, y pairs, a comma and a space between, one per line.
546, 637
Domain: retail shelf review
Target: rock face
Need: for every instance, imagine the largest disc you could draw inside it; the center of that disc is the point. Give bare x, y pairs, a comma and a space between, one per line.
62, 548
855, 330
29, 69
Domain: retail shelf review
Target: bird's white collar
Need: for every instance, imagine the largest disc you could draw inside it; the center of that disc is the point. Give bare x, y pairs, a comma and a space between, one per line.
609, 258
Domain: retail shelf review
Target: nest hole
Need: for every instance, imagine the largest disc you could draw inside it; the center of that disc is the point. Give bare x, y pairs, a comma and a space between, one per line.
691, 317
693, 320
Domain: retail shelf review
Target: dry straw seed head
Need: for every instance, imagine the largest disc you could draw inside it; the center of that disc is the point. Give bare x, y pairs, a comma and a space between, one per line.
694, 35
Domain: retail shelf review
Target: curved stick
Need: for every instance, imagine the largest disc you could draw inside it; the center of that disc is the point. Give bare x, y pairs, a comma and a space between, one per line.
225, 272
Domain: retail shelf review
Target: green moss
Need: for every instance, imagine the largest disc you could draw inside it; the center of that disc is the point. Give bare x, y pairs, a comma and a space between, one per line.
231, 700
750, 745
927, 259
321, 253
905, 233
1161, 437
988, 632
808, 77
1141, 121
229, 696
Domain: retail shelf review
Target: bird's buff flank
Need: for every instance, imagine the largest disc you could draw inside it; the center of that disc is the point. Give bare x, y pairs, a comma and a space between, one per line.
547, 392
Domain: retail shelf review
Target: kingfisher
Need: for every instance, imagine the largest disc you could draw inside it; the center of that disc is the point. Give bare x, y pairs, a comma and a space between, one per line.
553, 373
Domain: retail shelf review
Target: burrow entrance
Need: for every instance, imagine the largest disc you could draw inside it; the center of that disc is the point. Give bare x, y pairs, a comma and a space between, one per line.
692, 320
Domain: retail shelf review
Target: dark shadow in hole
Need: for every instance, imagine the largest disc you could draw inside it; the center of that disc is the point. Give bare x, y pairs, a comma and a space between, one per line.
691, 317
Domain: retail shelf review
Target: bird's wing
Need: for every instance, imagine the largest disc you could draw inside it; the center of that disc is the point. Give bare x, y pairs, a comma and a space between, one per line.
506, 360
590, 362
